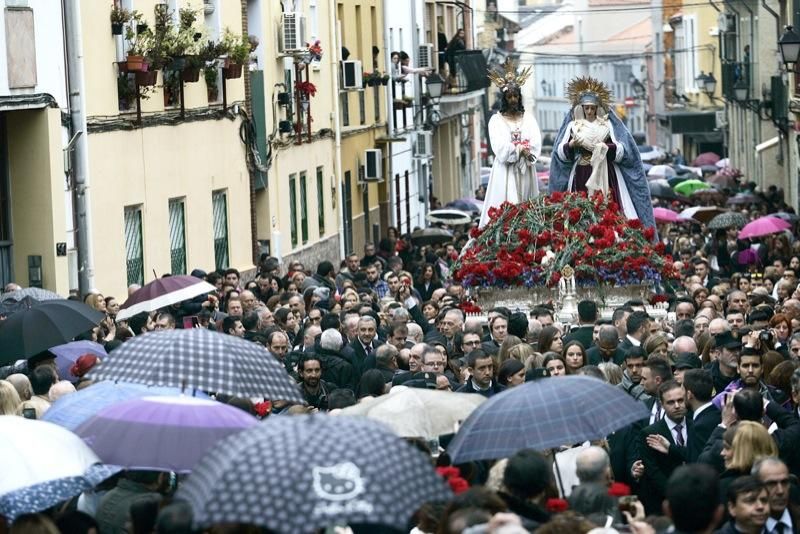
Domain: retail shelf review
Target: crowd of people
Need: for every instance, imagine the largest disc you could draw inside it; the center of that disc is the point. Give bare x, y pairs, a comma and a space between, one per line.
719, 375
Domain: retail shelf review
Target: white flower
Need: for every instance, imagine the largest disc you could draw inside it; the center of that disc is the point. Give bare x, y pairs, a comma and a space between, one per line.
548, 257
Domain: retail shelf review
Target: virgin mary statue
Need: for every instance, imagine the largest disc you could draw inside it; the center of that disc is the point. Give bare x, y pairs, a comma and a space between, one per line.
594, 151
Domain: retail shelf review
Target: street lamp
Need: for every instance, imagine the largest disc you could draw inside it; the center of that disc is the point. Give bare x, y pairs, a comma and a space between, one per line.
789, 44
435, 84
740, 91
707, 83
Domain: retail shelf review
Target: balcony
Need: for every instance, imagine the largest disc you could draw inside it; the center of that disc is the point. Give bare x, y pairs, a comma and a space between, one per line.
733, 72
470, 72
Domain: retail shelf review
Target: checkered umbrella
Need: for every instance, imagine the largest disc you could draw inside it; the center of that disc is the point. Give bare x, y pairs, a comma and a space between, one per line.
544, 414
198, 358
730, 219
304, 473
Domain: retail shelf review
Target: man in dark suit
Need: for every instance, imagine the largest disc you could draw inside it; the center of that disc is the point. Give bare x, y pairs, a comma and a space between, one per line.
664, 445
587, 316
784, 515
607, 348
705, 416
364, 344
638, 329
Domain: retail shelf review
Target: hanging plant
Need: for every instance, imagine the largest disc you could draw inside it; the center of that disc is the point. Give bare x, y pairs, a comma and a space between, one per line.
119, 17
306, 89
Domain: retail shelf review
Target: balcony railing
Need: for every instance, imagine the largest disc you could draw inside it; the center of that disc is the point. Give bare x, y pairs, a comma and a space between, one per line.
470, 72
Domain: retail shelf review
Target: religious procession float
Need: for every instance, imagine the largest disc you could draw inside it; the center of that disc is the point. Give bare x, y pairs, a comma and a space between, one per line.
592, 237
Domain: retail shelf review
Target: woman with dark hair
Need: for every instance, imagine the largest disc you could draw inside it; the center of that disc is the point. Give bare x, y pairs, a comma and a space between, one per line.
428, 282
574, 356
512, 373
555, 364
286, 321
516, 143
550, 340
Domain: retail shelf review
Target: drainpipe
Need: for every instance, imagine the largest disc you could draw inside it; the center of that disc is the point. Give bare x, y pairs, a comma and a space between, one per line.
337, 126
390, 125
80, 154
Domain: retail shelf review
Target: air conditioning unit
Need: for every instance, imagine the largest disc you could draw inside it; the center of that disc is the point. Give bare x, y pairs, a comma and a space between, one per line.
423, 145
726, 22
373, 165
351, 75
425, 60
292, 33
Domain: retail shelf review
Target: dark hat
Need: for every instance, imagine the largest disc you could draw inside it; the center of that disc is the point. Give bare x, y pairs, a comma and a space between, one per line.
687, 360
199, 273
726, 340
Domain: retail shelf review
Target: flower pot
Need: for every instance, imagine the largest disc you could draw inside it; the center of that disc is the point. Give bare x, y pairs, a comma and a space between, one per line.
385, 81
135, 63
141, 28
147, 78
178, 63
116, 28
232, 72
123, 67
190, 74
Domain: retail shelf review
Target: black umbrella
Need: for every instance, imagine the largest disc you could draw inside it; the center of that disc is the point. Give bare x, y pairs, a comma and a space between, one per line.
300, 474
45, 325
730, 219
745, 198
431, 236
198, 358
662, 190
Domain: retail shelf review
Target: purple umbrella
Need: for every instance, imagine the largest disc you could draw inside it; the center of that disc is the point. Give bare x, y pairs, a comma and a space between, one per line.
161, 293
161, 433
706, 158
747, 257
764, 226
68, 354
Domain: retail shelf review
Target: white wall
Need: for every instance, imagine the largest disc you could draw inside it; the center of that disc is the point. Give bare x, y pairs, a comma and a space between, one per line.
50, 67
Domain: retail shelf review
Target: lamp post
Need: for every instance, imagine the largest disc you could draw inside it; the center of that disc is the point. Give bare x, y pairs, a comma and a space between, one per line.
789, 45
707, 83
741, 93
435, 84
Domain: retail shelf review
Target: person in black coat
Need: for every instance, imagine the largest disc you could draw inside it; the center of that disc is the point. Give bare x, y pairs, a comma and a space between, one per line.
587, 316
427, 283
337, 368
664, 446
607, 347
481, 370
526, 480
748, 505
705, 416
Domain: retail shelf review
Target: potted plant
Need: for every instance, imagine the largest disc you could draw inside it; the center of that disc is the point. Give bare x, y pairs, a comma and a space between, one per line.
211, 75
138, 46
119, 17
306, 90
138, 19
385, 79
237, 50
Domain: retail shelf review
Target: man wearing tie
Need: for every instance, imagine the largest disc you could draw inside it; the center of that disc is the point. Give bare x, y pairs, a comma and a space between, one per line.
784, 516
664, 445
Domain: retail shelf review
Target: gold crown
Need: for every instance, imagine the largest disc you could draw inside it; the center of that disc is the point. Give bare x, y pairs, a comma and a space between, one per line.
587, 89
509, 75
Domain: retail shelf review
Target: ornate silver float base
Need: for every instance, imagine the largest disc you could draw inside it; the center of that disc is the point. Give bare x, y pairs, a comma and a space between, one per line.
523, 299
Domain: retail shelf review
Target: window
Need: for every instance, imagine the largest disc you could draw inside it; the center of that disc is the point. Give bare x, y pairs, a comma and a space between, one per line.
320, 201
312, 20
177, 237
134, 254
362, 107
686, 55
304, 207
219, 207
293, 207
344, 96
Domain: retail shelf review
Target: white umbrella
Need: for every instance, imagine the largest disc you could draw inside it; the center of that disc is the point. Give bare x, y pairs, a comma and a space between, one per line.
724, 162
417, 412
449, 216
37, 451
663, 171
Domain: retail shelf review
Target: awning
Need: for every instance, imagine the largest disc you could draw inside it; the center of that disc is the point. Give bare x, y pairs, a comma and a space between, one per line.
688, 122
769, 143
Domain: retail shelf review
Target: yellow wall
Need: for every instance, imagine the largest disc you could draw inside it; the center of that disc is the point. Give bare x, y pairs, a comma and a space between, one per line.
153, 165
708, 49
37, 189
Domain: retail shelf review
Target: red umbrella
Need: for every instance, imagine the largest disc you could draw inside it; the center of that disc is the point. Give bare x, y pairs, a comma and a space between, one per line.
163, 292
764, 226
706, 158
663, 215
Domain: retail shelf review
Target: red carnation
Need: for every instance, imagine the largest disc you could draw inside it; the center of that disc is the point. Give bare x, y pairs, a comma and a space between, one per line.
555, 506
458, 485
262, 409
635, 224
557, 196
661, 248
618, 489
574, 215
649, 233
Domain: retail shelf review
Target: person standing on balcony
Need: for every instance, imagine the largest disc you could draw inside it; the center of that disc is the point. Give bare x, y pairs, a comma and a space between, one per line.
516, 143
456, 44
595, 152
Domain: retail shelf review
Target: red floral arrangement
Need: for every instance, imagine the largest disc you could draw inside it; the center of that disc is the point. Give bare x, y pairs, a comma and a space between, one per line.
655, 299
528, 244
315, 50
469, 307
556, 506
306, 88
453, 476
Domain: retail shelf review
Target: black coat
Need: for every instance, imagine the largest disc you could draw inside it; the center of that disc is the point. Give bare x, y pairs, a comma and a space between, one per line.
532, 515
426, 293
357, 353
583, 334
658, 466
493, 390
595, 358
338, 369
704, 426
720, 381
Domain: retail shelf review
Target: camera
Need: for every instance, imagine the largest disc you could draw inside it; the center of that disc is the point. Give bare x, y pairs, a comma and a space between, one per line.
765, 336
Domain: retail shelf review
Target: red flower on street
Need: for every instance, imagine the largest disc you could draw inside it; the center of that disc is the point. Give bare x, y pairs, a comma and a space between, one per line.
556, 506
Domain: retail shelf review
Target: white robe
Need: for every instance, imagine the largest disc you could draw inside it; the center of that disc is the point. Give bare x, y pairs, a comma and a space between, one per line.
507, 169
